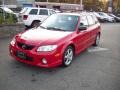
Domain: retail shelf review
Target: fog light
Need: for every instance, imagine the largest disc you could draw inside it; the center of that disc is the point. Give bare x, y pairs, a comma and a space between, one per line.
44, 61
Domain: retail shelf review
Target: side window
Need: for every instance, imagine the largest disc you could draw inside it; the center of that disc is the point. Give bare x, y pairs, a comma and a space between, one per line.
83, 21
33, 11
90, 20
43, 12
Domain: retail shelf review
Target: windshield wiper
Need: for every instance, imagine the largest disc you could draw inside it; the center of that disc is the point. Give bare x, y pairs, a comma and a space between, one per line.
54, 28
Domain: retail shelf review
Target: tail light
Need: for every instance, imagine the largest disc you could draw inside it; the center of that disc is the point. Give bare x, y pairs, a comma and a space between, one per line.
25, 17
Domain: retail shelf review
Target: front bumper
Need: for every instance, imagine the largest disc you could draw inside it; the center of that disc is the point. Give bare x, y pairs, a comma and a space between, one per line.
35, 58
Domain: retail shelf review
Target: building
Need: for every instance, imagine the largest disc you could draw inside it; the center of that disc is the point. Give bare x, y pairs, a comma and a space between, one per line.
26, 3
10, 3
16, 5
59, 6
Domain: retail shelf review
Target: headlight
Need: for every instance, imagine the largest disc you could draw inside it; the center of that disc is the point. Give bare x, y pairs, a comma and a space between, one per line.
13, 42
47, 48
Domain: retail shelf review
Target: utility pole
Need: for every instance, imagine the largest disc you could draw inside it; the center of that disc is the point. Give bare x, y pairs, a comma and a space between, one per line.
81, 4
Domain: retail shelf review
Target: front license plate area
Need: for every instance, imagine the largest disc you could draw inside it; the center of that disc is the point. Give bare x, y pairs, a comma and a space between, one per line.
21, 55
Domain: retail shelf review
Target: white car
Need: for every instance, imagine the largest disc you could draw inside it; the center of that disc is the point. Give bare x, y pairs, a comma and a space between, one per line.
106, 16
101, 18
33, 16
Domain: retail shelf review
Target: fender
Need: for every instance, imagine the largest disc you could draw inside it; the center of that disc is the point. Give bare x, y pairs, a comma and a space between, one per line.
66, 45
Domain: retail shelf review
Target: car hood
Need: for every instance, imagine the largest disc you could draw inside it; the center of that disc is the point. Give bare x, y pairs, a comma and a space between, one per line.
38, 36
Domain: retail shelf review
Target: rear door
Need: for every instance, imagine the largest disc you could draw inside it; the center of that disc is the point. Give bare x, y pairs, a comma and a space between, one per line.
94, 27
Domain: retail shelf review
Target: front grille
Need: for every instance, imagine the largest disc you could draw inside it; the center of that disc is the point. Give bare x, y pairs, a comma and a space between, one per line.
25, 46
28, 58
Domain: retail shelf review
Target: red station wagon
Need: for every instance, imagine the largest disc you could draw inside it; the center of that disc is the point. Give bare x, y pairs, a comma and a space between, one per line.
57, 40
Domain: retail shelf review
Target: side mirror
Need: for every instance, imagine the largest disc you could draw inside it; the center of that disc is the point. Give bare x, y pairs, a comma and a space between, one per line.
82, 28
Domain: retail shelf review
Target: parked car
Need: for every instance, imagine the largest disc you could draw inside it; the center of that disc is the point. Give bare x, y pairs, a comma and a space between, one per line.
100, 17
118, 14
33, 16
8, 14
57, 40
117, 19
107, 17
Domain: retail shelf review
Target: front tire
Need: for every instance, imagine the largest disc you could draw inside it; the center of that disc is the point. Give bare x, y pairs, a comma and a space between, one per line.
68, 56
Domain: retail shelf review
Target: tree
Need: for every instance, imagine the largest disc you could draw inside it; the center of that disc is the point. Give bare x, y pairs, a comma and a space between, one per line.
116, 6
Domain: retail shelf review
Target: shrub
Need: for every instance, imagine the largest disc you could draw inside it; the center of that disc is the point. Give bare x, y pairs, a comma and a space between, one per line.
9, 18
1, 18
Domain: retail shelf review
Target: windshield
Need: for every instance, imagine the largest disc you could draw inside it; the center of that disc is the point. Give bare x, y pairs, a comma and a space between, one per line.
60, 22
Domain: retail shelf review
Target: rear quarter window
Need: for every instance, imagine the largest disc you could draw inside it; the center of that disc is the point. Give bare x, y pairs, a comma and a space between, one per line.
43, 12
33, 12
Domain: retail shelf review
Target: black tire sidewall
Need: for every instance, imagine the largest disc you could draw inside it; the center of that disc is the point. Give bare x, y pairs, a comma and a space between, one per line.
35, 23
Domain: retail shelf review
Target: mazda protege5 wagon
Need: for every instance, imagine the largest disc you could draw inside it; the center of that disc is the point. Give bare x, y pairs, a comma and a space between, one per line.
57, 40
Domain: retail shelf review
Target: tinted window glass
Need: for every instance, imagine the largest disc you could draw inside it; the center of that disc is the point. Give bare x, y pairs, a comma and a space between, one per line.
43, 12
83, 21
90, 20
33, 11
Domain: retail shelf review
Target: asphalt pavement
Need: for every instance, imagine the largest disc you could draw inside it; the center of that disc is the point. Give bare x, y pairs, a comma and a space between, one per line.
97, 68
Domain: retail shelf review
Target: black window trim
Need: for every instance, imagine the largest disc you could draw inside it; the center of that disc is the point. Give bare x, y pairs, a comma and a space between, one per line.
43, 9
